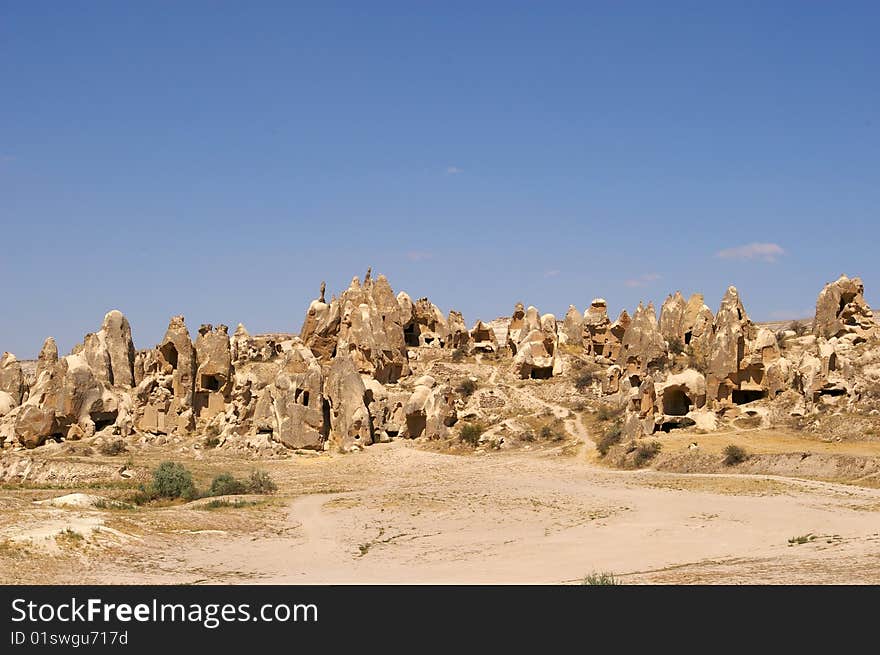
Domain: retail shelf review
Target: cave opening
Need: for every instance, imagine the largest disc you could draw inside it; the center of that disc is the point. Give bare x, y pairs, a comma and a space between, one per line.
675, 402
211, 383
169, 354
744, 396
411, 335
541, 373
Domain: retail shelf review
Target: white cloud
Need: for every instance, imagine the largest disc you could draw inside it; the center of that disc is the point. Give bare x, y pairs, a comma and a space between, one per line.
642, 280
552, 273
767, 252
453, 170
419, 255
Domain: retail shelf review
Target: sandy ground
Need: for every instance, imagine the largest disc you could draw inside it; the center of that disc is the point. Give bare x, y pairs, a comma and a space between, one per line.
398, 513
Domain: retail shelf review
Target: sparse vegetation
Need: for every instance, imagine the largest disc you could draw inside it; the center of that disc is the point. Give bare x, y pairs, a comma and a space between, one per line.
608, 412
70, 537
459, 354
610, 437
697, 359
551, 433
227, 485
210, 442
470, 433
585, 380
800, 329
173, 480
802, 539
675, 345
734, 454
646, 451
261, 483
466, 388
600, 579
222, 503
112, 448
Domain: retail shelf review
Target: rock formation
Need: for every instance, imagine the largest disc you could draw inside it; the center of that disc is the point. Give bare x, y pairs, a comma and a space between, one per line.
841, 309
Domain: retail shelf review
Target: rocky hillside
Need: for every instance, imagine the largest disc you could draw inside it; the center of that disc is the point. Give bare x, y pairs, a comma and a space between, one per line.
355, 373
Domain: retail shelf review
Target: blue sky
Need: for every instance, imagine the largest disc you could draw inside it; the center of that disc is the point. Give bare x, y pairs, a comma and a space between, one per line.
220, 159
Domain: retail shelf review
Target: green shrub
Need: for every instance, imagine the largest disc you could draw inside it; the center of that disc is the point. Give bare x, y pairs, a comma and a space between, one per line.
466, 388
734, 454
610, 436
226, 485
111, 448
646, 451
261, 483
173, 480
470, 433
584, 380
608, 412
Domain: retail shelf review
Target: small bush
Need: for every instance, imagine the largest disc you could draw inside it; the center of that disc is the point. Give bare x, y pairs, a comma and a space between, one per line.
645, 452
550, 433
470, 433
802, 539
584, 380
466, 388
111, 448
226, 485
610, 437
459, 354
798, 328
607, 413
210, 442
734, 454
261, 483
173, 480
676, 347
600, 579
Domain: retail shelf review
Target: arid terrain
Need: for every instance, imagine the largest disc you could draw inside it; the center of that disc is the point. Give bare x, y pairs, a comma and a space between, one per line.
425, 512
386, 443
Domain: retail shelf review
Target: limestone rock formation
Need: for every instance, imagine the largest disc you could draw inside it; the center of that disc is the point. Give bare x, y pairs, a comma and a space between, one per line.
672, 318
642, 347
572, 332
349, 417
12, 380
459, 336
483, 338
364, 322
841, 309
47, 358
116, 336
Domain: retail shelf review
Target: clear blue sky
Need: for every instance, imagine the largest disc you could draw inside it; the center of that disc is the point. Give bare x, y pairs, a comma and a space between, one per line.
219, 159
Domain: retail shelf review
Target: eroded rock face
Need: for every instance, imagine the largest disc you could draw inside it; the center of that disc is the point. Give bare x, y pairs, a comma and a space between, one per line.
12, 380
672, 315
116, 333
48, 357
841, 309
642, 347
429, 411
424, 324
459, 335
349, 418
572, 332
292, 407
214, 375
536, 353
483, 338
365, 323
